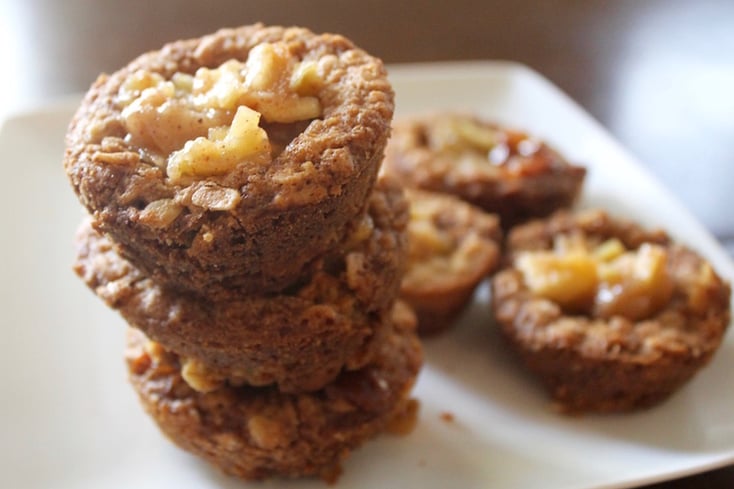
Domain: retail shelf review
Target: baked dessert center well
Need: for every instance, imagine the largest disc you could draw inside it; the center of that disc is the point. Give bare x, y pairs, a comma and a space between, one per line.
483, 147
603, 279
205, 124
441, 242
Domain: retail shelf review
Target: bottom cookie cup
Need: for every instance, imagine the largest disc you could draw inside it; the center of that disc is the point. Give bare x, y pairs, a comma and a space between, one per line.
255, 433
609, 316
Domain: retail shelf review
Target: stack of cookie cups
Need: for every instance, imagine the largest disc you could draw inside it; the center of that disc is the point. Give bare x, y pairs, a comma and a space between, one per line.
237, 224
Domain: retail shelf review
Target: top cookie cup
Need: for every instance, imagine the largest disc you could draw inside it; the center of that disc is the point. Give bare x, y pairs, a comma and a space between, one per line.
235, 159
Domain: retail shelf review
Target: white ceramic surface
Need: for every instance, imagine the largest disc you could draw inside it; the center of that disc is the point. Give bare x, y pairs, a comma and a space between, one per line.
68, 419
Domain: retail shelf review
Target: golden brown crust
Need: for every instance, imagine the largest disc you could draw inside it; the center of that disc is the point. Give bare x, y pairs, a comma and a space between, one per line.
255, 433
612, 364
453, 247
539, 234
284, 216
528, 178
299, 339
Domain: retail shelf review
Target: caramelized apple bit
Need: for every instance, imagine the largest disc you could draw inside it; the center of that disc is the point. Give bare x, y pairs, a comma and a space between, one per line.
279, 88
570, 279
635, 284
609, 250
478, 147
700, 289
222, 150
205, 124
480, 137
306, 80
160, 116
405, 419
430, 247
444, 242
426, 241
426, 238
605, 281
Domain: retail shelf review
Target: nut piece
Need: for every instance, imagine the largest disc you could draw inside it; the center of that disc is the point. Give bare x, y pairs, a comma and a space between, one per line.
266, 433
197, 375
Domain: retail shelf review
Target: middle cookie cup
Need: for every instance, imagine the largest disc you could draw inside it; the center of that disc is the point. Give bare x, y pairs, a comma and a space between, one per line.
299, 339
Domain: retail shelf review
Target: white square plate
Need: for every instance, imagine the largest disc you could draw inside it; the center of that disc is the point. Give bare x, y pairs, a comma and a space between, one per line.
69, 419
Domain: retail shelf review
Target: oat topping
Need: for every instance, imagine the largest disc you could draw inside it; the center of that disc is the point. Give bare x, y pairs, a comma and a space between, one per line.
160, 213
205, 124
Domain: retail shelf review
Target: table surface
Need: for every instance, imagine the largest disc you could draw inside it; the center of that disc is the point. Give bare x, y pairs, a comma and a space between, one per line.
657, 73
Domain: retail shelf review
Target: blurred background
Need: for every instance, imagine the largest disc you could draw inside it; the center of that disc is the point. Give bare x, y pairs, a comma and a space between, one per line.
659, 74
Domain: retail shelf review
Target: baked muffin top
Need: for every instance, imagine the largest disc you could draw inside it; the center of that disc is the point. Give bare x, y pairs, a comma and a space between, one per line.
256, 115
605, 285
